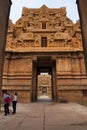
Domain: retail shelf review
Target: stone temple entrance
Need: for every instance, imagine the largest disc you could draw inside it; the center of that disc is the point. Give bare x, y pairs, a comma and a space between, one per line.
45, 40
44, 78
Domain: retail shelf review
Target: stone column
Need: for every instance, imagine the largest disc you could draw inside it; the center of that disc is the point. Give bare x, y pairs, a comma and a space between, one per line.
4, 16
54, 80
82, 8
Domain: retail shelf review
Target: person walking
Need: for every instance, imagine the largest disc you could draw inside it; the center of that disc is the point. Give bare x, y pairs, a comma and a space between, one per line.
14, 102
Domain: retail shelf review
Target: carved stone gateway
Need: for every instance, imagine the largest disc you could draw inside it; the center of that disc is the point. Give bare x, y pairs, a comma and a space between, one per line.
37, 41
45, 40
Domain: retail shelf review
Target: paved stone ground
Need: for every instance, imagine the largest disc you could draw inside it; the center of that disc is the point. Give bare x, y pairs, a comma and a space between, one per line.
45, 116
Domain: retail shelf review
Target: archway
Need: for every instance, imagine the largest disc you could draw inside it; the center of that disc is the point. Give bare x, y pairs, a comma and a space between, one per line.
44, 65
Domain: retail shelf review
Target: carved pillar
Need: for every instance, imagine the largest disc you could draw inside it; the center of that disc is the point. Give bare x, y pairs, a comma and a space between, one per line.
82, 7
54, 79
4, 16
54, 87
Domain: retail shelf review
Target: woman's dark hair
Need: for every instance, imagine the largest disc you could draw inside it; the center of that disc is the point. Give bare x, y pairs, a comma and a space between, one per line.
15, 93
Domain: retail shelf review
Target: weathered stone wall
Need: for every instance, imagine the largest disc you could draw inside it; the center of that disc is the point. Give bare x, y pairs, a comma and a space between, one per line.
18, 75
71, 77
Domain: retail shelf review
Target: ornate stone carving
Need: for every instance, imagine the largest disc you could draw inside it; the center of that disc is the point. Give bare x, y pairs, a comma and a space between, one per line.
59, 30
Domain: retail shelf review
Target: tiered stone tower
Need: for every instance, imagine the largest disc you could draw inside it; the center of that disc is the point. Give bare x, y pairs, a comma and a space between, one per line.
45, 40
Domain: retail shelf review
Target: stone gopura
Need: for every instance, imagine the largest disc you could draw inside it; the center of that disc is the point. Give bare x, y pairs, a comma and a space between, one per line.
45, 40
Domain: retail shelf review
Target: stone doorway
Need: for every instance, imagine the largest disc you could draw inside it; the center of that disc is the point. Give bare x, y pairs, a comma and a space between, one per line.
44, 65
44, 83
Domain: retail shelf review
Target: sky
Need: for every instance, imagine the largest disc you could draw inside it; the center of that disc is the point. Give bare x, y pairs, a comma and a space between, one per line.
17, 5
